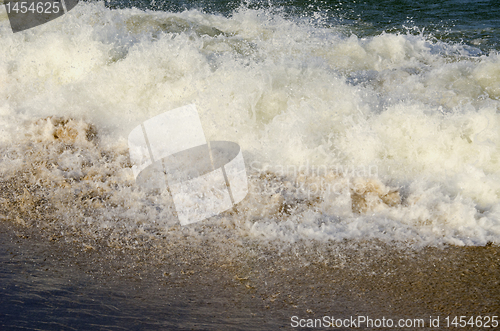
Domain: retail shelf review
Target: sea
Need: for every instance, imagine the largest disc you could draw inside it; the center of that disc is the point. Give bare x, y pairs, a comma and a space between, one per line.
362, 124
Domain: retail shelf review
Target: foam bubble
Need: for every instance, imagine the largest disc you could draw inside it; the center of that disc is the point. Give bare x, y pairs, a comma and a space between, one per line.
391, 137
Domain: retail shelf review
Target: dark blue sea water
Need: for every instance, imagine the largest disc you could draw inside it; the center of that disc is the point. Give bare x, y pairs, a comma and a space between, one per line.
474, 23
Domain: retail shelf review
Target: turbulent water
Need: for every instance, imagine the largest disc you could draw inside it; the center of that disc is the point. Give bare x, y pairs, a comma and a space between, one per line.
355, 122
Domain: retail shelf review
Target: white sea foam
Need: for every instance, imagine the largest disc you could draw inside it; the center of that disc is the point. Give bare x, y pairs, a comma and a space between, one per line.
424, 114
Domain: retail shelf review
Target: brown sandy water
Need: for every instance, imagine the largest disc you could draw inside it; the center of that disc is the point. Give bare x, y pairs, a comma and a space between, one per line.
52, 283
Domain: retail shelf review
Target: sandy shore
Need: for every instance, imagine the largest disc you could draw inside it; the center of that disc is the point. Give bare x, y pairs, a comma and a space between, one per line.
51, 281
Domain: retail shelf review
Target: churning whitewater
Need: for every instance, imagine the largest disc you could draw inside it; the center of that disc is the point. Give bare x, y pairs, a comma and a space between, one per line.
392, 137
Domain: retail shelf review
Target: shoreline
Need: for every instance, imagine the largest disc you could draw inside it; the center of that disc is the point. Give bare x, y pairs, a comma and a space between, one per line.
187, 288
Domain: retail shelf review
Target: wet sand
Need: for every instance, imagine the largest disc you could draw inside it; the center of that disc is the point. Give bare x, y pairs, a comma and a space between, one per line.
56, 283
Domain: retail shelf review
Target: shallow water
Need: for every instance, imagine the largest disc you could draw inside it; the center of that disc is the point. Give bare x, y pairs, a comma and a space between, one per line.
60, 285
48, 285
